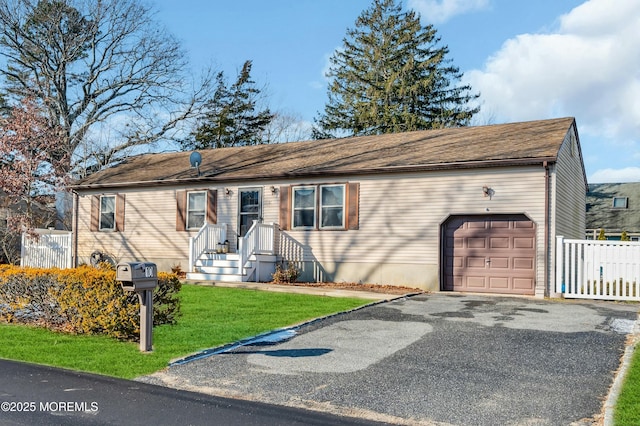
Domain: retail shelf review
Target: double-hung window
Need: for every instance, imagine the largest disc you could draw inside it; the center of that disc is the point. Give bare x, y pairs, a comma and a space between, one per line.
319, 207
107, 213
304, 207
196, 209
332, 206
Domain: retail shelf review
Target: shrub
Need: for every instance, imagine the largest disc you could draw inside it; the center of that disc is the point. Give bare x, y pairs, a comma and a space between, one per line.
82, 300
288, 275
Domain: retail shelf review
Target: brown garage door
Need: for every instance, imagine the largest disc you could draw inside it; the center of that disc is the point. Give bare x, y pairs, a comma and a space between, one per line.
490, 254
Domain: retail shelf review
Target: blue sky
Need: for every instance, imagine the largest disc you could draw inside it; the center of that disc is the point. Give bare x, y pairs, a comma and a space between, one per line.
528, 59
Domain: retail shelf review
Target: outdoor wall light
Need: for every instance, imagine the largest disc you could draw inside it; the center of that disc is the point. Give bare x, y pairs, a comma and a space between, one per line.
273, 189
487, 191
227, 191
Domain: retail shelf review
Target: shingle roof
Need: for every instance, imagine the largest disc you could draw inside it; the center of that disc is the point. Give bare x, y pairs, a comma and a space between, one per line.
462, 147
600, 211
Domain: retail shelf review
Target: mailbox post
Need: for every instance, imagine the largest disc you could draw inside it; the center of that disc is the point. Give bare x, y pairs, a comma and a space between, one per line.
142, 278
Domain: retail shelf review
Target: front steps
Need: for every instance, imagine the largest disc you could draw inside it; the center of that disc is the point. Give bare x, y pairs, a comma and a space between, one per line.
226, 267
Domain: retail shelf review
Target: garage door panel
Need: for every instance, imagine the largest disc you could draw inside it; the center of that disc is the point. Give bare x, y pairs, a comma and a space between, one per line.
499, 224
501, 242
475, 262
476, 283
490, 254
499, 283
523, 263
523, 224
481, 224
522, 284
476, 243
523, 243
499, 263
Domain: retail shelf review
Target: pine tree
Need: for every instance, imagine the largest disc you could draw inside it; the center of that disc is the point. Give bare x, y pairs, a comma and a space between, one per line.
231, 118
391, 76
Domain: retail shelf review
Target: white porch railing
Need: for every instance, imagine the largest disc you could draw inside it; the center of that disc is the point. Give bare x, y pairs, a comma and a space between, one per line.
259, 239
594, 269
50, 249
206, 239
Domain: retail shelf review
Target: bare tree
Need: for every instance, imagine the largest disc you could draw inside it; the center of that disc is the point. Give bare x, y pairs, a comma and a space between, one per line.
29, 174
100, 68
286, 127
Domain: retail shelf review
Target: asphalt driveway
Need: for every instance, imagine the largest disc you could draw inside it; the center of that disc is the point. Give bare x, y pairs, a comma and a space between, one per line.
432, 359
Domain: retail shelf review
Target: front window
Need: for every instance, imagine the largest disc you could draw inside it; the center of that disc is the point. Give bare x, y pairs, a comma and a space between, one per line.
332, 206
304, 207
107, 213
196, 209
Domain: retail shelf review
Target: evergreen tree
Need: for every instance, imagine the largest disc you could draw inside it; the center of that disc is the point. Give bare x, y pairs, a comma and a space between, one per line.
391, 76
231, 118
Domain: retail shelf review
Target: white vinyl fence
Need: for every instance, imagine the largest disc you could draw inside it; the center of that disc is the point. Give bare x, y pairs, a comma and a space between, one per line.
594, 269
50, 249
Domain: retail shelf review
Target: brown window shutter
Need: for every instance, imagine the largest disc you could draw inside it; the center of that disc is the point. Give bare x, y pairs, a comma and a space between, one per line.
181, 210
95, 213
353, 205
212, 206
285, 208
120, 213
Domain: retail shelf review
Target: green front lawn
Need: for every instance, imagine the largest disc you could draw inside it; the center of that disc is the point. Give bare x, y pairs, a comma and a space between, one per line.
627, 410
211, 316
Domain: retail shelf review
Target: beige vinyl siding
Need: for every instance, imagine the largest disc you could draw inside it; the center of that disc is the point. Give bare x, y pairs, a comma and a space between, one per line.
150, 225
400, 218
228, 211
398, 240
150, 230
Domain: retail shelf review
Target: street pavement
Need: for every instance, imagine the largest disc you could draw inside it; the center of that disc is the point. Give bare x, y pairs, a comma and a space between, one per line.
40, 395
433, 359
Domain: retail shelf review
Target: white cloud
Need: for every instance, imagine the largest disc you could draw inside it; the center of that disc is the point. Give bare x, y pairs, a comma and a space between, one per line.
588, 68
628, 174
439, 11
322, 83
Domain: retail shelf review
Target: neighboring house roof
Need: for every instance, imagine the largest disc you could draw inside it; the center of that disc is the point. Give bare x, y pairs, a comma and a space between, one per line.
601, 212
463, 147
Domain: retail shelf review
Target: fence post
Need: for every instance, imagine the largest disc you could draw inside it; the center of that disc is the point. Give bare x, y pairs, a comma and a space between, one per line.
560, 286
22, 251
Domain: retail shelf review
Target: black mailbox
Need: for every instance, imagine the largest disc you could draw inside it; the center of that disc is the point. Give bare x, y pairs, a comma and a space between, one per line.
137, 276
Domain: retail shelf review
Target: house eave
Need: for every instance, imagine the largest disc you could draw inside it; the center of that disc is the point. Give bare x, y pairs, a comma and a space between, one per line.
314, 173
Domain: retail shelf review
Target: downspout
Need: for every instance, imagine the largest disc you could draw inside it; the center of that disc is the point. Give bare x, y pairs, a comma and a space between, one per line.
547, 218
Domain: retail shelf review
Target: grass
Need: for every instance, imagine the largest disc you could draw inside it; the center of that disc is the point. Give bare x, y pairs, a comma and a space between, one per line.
211, 316
627, 410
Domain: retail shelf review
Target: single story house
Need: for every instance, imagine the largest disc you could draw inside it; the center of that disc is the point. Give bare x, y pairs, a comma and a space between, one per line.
457, 209
614, 207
